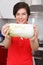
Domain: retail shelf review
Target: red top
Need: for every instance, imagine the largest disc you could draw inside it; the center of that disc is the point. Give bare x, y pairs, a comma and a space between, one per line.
19, 52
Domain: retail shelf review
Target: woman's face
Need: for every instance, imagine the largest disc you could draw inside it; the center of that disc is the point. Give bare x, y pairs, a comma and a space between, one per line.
21, 16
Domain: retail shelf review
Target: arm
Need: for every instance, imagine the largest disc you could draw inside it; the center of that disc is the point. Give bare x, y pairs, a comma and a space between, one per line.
6, 42
34, 40
5, 30
34, 45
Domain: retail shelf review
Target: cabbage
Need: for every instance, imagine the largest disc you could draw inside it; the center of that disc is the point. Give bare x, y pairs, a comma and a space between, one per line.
21, 30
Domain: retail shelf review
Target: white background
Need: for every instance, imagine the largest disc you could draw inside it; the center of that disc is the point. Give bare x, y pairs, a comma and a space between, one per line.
6, 8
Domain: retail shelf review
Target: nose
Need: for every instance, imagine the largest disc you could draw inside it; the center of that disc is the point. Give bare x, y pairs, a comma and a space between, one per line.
20, 16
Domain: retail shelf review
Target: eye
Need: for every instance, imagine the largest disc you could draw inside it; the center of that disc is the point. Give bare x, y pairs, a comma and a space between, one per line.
17, 14
24, 13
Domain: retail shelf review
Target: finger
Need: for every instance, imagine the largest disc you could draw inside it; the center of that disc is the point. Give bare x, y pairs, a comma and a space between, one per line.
36, 30
5, 31
5, 26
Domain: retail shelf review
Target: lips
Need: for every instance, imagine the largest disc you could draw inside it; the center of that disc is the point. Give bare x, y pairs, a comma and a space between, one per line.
21, 21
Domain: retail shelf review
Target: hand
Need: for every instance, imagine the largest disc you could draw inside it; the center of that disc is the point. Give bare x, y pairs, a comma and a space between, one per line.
5, 30
35, 36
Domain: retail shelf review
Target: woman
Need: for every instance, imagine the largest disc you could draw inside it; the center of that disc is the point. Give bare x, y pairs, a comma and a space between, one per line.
20, 49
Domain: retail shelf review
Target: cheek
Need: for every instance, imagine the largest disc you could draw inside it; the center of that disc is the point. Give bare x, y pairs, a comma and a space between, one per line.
17, 18
26, 18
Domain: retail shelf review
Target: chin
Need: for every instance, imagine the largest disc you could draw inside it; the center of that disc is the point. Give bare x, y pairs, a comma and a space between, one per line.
21, 22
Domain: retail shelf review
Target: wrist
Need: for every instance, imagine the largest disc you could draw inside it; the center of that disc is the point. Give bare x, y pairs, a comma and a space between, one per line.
7, 37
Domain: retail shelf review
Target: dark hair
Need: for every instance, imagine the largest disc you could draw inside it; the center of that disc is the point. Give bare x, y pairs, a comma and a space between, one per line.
20, 5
